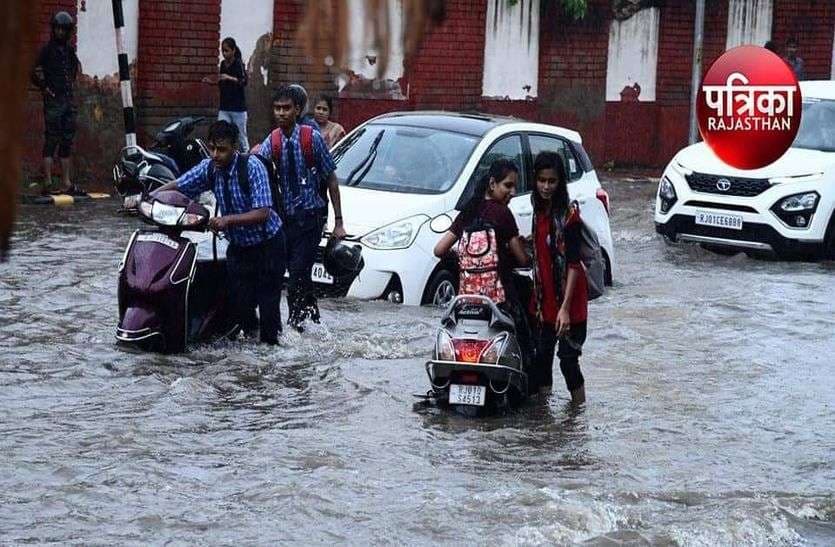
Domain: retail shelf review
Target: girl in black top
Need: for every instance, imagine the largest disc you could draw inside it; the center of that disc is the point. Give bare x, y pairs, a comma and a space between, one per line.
231, 81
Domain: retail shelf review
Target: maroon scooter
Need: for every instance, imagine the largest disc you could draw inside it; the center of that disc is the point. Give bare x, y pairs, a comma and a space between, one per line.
170, 293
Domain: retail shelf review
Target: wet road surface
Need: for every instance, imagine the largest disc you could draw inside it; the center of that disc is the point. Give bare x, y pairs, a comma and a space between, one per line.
710, 415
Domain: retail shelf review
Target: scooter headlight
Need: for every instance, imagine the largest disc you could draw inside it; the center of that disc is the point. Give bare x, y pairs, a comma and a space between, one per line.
166, 215
146, 209
444, 350
493, 352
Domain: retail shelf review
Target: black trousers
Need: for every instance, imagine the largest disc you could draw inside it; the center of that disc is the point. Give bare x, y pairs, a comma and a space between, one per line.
256, 276
569, 351
59, 126
304, 232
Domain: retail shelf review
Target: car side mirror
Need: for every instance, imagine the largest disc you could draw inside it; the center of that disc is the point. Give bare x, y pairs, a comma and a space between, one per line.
440, 223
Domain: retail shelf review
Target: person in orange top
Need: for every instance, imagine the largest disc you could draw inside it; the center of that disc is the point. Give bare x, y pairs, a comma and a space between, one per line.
331, 131
558, 307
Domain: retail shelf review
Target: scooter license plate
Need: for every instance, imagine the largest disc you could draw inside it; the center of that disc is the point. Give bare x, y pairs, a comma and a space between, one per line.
319, 275
467, 395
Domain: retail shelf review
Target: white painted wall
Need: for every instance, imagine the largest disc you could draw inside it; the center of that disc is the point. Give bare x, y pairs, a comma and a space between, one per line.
749, 22
246, 21
97, 37
633, 55
511, 50
361, 47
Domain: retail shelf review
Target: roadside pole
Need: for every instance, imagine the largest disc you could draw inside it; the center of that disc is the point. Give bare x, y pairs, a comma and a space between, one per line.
124, 74
698, 41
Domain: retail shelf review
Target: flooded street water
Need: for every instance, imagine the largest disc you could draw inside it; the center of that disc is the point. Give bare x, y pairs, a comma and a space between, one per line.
711, 385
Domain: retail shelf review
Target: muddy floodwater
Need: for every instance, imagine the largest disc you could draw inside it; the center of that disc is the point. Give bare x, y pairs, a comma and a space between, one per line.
711, 413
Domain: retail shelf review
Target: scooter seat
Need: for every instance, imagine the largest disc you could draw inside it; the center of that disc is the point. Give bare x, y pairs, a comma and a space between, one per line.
169, 162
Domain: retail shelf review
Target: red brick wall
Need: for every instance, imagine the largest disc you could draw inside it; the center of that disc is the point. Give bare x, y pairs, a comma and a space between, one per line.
178, 45
812, 23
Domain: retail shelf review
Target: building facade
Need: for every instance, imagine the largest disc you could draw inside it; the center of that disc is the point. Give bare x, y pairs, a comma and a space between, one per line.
623, 84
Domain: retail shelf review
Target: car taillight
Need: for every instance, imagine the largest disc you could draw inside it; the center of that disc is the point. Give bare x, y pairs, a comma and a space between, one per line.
603, 196
468, 351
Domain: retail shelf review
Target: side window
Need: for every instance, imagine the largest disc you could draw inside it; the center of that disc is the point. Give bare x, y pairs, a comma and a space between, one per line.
509, 148
541, 143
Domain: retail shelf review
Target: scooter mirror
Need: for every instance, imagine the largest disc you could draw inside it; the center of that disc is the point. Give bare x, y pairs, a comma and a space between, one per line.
440, 223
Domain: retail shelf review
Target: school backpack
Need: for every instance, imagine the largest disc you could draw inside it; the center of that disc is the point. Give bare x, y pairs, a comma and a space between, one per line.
478, 262
306, 140
243, 181
591, 255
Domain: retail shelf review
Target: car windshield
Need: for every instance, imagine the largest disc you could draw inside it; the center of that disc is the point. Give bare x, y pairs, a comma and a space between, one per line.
396, 158
817, 126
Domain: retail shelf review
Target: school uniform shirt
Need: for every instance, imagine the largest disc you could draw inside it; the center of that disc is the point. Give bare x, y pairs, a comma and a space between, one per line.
299, 184
568, 245
224, 183
233, 94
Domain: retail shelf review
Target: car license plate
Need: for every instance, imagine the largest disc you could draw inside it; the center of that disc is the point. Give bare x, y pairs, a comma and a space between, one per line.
467, 395
319, 275
719, 220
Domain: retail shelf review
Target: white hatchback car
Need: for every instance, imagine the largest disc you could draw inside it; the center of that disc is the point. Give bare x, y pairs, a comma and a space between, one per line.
785, 208
399, 170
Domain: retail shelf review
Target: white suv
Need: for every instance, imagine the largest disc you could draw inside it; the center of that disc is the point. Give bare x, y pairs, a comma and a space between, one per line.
399, 170
785, 208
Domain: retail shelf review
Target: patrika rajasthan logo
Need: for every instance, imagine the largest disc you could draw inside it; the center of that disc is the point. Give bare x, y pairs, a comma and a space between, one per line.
749, 107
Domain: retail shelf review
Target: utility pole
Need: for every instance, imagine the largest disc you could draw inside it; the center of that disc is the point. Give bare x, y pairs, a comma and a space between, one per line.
698, 42
124, 74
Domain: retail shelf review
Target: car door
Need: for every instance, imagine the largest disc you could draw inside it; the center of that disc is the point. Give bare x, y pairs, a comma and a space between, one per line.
510, 147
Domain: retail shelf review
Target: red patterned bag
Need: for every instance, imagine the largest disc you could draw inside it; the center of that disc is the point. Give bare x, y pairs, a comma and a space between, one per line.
478, 261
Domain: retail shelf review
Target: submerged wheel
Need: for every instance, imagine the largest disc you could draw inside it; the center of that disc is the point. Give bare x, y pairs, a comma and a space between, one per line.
442, 288
607, 274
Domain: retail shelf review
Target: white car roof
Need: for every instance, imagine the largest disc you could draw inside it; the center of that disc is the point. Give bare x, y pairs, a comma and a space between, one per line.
818, 89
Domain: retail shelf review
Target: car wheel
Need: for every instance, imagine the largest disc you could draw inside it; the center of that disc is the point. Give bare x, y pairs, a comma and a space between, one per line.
442, 288
607, 274
829, 240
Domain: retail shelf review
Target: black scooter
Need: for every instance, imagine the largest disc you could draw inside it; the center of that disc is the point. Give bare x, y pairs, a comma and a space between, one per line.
172, 278
138, 171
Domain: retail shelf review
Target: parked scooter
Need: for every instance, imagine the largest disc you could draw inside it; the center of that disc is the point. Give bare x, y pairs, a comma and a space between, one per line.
138, 171
478, 364
172, 279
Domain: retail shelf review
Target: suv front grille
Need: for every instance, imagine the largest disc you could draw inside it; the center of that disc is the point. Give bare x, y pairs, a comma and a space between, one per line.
737, 186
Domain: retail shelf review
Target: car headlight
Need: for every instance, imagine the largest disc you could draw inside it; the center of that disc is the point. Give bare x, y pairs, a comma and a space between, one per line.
797, 210
397, 235
666, 194
799, 202
666, 190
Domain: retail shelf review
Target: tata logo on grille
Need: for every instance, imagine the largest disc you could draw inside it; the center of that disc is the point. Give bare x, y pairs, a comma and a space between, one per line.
723, 185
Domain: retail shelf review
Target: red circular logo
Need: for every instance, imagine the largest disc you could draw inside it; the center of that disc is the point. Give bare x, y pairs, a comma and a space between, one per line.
749, 107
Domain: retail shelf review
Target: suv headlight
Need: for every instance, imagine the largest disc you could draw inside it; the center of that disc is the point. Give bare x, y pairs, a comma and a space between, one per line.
667, 194
799, 202
796, 211
397, 235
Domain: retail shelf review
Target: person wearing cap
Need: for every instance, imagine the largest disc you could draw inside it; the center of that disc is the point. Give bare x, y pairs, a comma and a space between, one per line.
55, 72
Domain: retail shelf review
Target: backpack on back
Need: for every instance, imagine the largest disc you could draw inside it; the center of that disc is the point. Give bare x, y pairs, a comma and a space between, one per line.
243, 181
306, 140
591, 255
478, 262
